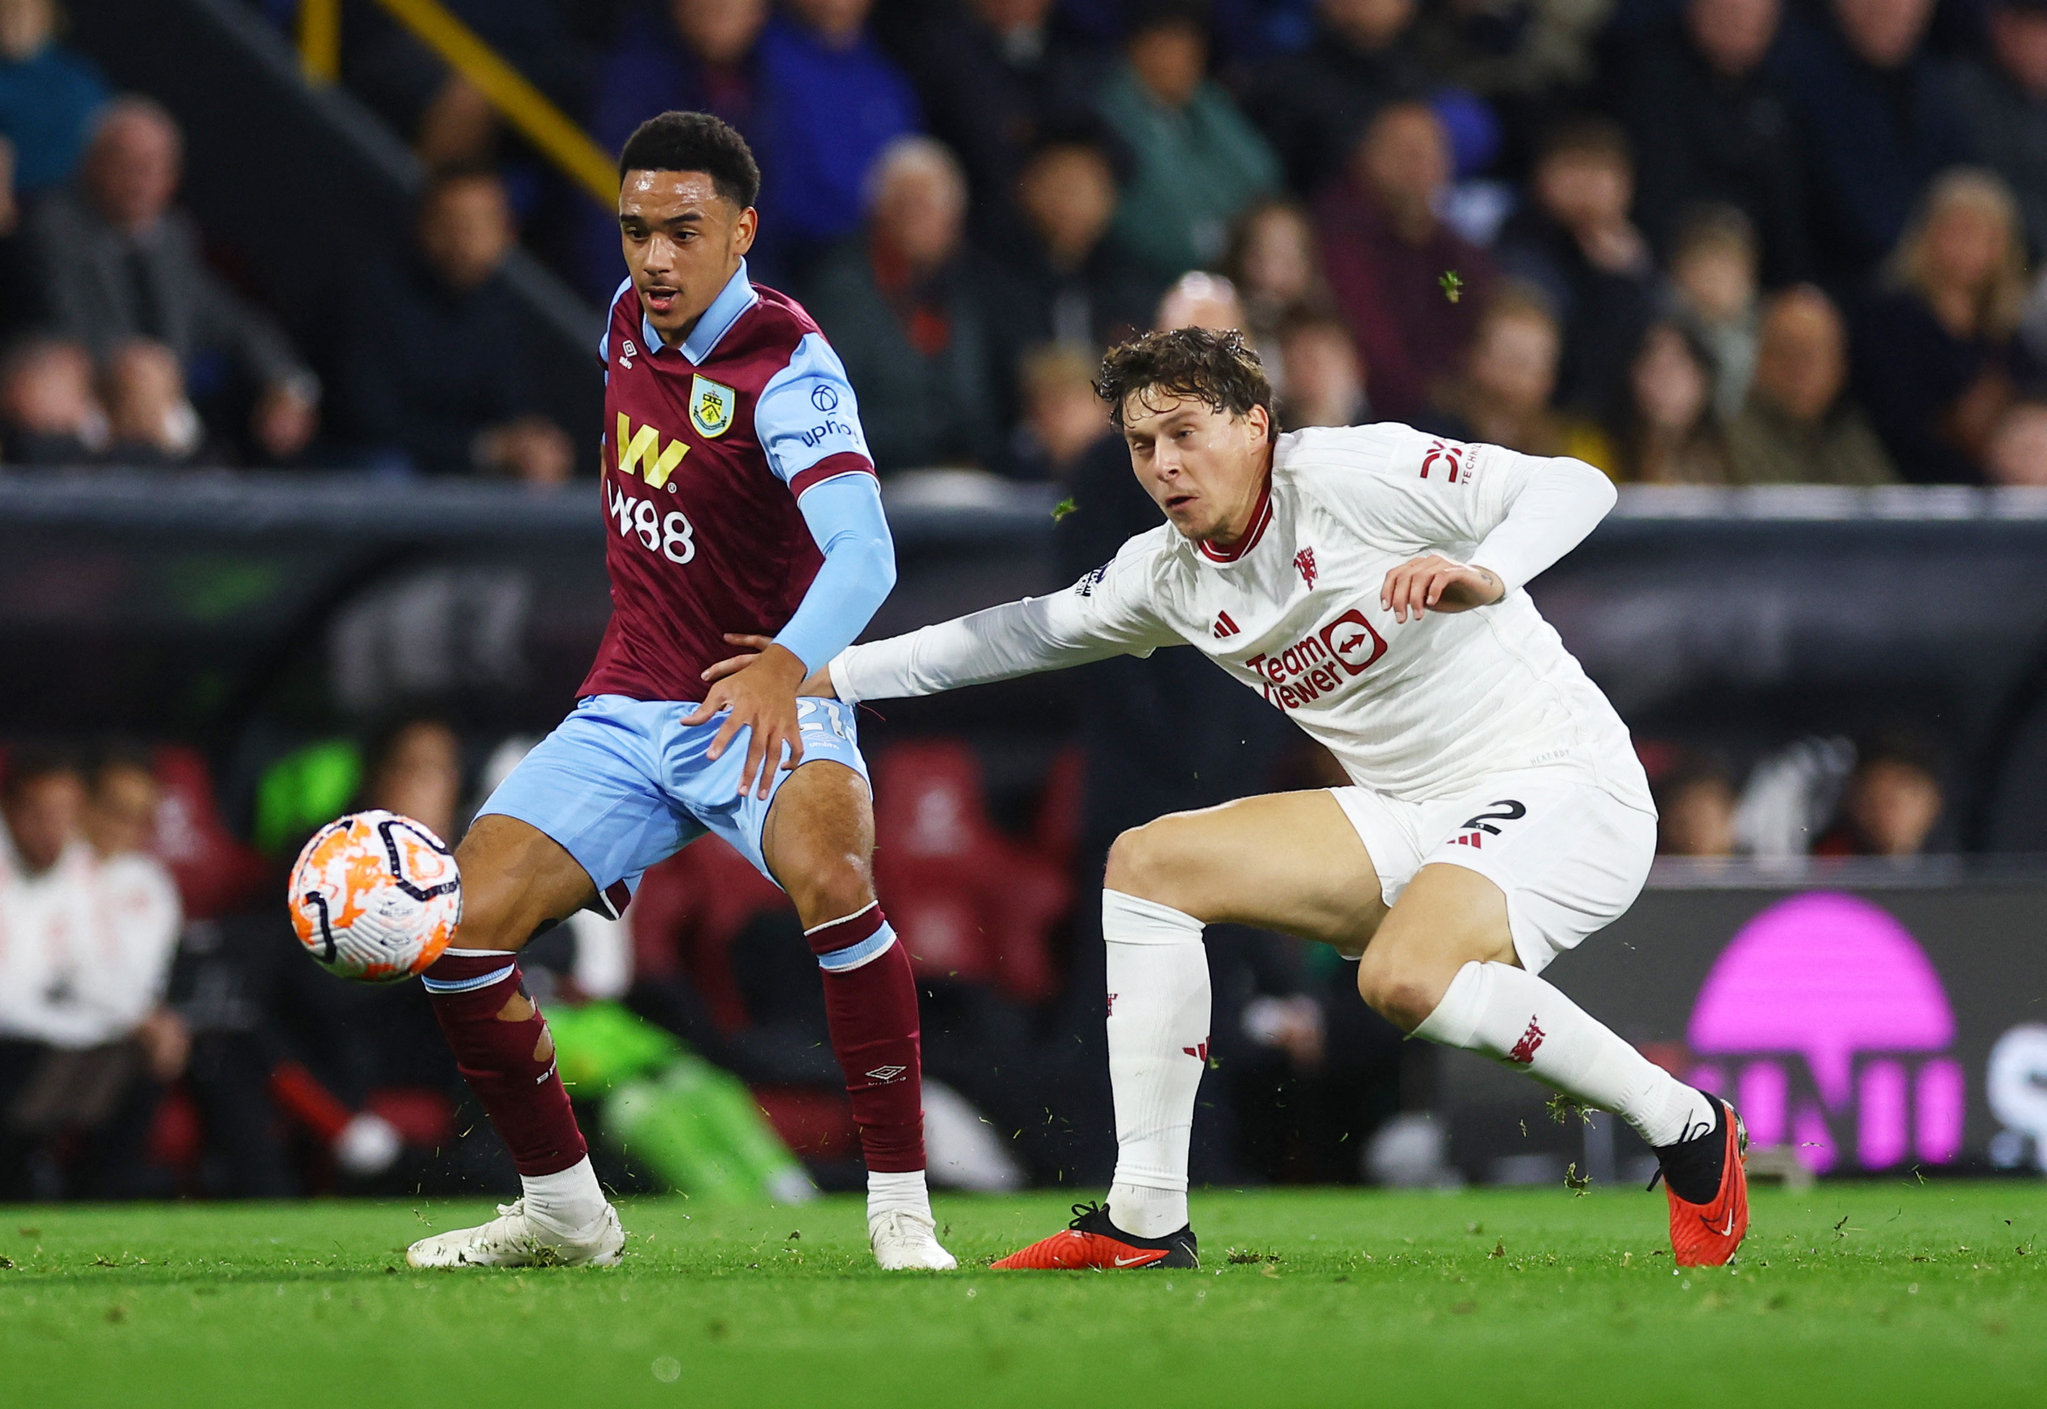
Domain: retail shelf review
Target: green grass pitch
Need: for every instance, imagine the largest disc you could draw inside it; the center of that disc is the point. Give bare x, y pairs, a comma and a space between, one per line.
1864, 1294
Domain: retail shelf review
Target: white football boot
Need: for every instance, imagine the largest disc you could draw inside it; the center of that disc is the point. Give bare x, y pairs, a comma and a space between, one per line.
905, 1241
517, 1239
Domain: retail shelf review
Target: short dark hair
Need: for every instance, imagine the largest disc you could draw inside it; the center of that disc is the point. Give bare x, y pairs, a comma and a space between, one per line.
117, 755
1218, 368
446, 178
1146, 15
1900, 747
30, 763
679, 141
1586, 135
1716, 226
1085, 131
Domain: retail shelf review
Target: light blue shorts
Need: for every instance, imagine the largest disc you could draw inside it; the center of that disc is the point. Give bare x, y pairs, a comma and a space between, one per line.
624, 783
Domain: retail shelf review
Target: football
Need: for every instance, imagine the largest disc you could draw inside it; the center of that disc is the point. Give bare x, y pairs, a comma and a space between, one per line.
375, 897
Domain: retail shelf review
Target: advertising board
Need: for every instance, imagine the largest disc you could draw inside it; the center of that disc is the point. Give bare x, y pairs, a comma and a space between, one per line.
1865, 1020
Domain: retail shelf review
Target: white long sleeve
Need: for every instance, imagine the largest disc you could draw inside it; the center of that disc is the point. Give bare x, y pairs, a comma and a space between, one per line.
1554, 504
1419, 710
1109, 612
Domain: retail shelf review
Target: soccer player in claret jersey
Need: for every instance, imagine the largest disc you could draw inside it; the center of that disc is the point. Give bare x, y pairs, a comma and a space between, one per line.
740, 499
1368, 582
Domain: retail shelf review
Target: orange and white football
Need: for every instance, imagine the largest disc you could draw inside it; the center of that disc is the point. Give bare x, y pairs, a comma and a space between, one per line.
375, 897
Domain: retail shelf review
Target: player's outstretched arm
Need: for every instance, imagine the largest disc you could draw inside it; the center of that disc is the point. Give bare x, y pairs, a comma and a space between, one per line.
1106, 613
759, 690
1535, 510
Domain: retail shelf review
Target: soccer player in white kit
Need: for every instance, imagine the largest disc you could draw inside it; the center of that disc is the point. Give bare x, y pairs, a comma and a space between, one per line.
1369, 582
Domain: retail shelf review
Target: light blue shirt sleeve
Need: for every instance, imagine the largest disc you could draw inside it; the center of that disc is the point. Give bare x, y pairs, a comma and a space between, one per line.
845, 517
807, 418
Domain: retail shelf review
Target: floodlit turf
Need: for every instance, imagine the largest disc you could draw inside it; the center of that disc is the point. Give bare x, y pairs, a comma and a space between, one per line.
1866, 1294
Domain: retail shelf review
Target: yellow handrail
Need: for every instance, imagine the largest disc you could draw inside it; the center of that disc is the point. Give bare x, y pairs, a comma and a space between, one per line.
522, 105
320, 40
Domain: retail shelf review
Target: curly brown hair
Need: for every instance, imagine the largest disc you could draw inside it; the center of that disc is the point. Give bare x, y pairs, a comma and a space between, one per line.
1216, 367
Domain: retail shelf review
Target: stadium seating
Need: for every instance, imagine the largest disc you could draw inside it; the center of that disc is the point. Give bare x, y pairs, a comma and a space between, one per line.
970, 904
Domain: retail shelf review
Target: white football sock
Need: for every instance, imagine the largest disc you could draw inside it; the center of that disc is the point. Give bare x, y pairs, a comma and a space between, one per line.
898, 1193
1510, 1014
1158, 1048
569, 1200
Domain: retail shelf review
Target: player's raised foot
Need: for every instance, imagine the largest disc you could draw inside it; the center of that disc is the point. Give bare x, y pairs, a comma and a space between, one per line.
516, 1238
1706, 1181
907, 1242
1091, 1240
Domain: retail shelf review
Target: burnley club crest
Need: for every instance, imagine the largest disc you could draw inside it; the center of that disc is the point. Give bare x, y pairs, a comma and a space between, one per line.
711, 405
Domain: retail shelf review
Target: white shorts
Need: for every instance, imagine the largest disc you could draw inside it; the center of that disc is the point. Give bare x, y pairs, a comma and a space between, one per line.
1569, 855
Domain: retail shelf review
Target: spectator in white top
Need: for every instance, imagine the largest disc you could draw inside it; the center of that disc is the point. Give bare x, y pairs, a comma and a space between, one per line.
46, 901
84, 951
139, 911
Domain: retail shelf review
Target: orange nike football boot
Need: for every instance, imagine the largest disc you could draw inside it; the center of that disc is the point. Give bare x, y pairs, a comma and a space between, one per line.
1706, 1235
1092, 1241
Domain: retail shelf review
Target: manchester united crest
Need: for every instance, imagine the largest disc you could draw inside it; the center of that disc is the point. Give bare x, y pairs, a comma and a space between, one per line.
711, 405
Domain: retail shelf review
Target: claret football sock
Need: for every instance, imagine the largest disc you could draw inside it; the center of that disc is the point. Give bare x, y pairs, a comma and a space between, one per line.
504, 1051
1158, 1048
1515, 1016
870, 1000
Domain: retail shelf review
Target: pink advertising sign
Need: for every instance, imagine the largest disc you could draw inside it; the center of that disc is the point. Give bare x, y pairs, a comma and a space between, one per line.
1826, 1024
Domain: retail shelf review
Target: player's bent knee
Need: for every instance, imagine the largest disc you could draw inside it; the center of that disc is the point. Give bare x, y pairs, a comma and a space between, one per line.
491, 919
1141, 863
1399, 992
831, 890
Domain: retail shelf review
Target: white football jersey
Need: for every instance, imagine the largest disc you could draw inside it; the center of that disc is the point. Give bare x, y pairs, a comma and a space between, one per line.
1418, 711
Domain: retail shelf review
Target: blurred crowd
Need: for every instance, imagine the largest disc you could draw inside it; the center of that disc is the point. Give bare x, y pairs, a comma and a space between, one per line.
1691, 241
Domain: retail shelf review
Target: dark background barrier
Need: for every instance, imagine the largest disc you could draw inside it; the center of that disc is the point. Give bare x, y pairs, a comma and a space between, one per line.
1852, 1014
205, 609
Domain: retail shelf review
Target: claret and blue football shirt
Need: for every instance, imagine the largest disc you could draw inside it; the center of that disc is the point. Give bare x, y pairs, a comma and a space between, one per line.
708, 445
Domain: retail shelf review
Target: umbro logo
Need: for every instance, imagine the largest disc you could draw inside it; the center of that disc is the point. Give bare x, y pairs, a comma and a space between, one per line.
1224, 627
887, 1074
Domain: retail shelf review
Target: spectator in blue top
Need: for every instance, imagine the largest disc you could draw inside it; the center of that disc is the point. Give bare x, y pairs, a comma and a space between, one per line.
1198, 162
838, 101
1880, 118
692, 55
48, 95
